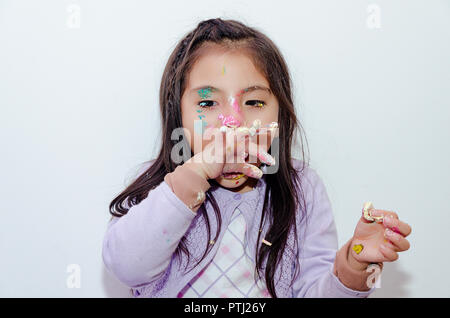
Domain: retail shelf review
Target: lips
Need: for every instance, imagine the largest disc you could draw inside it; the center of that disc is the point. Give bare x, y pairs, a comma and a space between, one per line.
232, 175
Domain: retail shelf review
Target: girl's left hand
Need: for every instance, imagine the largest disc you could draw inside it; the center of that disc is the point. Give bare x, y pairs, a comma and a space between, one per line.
375, 242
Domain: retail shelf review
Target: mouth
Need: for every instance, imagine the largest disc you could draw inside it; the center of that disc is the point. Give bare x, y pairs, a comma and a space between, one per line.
232, 175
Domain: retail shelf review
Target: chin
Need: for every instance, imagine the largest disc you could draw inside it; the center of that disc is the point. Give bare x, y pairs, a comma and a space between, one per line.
231, 183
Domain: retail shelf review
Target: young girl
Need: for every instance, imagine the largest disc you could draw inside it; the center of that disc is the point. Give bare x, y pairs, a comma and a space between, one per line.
212, 223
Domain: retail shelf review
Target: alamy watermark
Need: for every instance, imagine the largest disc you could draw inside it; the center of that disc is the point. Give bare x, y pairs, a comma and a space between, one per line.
374, 16
73, 20
74, 278
374, 278
211, 146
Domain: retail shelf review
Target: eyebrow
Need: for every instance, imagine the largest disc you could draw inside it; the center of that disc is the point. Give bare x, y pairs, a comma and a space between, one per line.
249, 89
205, 87
255, 88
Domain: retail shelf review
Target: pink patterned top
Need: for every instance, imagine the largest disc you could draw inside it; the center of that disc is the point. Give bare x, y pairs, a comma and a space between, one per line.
231, 272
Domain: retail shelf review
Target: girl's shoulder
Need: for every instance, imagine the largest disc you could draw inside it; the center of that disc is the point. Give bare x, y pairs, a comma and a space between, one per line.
315, 200
308, 176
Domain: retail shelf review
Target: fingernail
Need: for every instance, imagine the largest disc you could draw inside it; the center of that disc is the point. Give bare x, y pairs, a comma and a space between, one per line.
396, 230
388, 232
389, 220
266, 158
243, 130
254, 171
257, 123
377, 216
374, 212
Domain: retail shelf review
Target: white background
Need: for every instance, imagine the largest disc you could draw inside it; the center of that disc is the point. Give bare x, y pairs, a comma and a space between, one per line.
79, 113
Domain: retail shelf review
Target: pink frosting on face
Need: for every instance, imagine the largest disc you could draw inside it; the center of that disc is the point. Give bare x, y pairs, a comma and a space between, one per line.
236, 105
229, 121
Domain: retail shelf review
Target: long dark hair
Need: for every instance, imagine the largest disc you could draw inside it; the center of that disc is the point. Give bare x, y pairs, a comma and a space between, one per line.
283, 186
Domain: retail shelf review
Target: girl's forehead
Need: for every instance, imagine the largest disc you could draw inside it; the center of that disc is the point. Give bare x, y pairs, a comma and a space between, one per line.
219, 57
220, 73
217, 69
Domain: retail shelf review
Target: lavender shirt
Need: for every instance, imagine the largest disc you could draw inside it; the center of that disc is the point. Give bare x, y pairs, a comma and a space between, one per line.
138, 248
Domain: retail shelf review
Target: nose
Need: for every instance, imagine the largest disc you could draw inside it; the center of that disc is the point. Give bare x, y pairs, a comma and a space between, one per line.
232, 115
229, 121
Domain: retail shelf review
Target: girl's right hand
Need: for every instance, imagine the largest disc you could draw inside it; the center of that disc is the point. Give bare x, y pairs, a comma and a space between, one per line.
222, 155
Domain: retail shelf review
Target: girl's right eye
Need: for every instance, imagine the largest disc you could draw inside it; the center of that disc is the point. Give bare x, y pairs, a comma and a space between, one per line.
207, 103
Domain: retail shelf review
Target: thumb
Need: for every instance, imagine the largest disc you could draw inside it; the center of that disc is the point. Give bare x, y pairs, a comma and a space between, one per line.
367, 214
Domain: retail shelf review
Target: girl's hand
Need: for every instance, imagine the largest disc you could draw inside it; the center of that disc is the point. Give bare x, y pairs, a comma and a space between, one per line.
228, 154
375, 242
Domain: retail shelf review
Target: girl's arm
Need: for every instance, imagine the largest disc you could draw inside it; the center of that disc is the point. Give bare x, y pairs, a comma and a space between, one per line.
138, 246
324, 271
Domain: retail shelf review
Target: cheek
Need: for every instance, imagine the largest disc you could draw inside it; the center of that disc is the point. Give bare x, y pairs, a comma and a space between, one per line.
269, 114
195, 120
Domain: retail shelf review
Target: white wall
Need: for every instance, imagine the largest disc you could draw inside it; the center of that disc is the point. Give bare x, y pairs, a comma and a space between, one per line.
79, 112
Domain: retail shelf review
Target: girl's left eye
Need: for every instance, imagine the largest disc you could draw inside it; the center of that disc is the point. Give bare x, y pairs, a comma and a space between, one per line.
207, 103
256, 103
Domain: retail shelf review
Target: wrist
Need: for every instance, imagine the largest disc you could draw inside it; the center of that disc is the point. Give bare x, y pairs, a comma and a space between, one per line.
353, 277
188, 185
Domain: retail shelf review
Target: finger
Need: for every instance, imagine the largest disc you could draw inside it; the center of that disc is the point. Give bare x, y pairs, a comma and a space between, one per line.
369, 214
242, 132
397, 240
236, 145
213, 152
245, 168
391, 245
230, 145
397, 225
384, 213
363, 218
255, 128
388, 253
269, 130
250, 150
252, 171
259, 152
263, 134
241, 150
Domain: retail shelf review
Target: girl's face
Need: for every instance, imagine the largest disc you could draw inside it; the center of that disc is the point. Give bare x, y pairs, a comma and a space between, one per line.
225, 85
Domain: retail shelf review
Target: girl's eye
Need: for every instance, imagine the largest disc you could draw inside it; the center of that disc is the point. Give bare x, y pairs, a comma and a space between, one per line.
207, 103
256, 103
